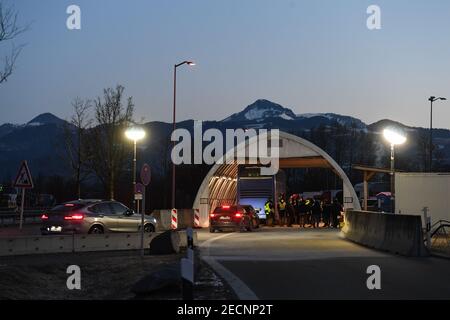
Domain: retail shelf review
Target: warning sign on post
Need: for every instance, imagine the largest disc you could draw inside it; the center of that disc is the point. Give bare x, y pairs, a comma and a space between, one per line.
23, 179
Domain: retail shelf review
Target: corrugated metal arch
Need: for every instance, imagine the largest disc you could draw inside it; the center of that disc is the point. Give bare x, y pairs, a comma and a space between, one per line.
220, 184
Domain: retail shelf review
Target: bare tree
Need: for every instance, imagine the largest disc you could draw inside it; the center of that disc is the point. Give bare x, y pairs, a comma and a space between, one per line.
76, 140
107, 148
9, 30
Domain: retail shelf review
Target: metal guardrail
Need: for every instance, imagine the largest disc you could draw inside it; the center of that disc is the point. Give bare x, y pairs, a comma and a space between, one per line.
8, 218
440, 237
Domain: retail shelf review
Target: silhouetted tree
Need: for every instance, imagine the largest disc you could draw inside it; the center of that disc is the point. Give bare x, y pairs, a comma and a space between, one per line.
76, 141
106, 146
9, 30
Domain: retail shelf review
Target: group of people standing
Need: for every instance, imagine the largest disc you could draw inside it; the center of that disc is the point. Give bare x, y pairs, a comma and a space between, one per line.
303, 212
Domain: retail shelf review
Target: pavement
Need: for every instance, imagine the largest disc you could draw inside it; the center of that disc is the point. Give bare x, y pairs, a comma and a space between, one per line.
294, 263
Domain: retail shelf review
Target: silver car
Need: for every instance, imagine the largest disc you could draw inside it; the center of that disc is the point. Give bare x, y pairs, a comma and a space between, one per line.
93, 216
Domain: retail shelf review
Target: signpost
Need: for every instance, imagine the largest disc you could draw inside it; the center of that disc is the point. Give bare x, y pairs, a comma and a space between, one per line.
24, 181
145, 179
187, 268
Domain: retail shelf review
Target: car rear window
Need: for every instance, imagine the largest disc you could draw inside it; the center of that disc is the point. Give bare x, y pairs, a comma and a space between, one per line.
226, 209
68, 207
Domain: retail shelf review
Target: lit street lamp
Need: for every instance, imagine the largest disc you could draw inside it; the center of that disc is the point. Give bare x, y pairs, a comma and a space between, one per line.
135, 134
394, 137
432, 99
189, 63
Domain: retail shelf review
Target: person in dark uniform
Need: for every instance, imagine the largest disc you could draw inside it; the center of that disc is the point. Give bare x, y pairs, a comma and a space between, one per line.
336, 210
302, 212
327, 214
316, 212
309, 203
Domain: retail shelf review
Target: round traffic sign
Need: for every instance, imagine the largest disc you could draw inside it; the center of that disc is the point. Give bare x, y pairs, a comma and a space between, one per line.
146, 174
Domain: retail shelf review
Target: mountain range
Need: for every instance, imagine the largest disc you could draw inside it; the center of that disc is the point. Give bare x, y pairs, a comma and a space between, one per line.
41, 140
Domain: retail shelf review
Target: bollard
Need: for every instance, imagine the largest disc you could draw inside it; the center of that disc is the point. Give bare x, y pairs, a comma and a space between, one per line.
187, 268
427, 220
196, 218
174, 219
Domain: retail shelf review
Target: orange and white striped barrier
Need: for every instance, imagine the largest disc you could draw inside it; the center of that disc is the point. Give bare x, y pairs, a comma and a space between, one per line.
174, 220
196, 218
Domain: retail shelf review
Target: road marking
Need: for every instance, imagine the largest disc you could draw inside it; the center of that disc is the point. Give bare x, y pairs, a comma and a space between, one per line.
239, 287
304, 257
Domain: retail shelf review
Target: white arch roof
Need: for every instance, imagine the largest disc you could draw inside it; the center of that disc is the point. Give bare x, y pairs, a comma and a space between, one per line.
221, 178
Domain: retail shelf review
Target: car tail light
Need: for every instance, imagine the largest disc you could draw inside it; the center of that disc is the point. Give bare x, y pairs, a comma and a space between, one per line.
238, 215
225, 207
74, 217
212, 215
44, 217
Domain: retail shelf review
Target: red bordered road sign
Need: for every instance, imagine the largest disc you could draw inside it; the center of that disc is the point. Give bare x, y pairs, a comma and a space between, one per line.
146, 174
24, 179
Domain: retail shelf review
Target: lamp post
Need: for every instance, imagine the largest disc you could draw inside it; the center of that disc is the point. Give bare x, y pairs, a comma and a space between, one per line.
134, 134
394, 137
432, 99
189, 63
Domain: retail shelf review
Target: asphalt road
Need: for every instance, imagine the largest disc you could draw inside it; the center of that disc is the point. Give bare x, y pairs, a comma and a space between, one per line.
285, 263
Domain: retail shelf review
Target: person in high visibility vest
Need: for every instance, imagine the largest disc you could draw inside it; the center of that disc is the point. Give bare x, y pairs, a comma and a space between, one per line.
282, 209
269, 211
308, 206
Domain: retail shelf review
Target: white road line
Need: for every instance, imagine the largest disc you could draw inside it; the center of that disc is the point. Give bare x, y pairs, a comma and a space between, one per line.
239, 287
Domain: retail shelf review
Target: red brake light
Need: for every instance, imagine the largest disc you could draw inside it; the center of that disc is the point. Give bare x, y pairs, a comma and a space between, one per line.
225, 207
44, 217
212, 215
238, 215
74, 217
69, 205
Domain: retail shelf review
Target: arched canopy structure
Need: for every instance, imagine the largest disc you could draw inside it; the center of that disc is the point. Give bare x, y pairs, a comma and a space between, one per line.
220, 184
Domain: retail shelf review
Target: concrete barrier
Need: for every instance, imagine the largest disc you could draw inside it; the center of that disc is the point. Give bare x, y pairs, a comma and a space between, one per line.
399, 234
25, 245
185, 218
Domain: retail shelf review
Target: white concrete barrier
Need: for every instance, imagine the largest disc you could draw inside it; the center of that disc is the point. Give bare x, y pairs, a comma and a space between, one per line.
25, 245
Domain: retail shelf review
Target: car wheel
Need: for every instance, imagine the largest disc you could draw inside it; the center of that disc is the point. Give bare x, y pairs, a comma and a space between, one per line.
96, 230
149, 228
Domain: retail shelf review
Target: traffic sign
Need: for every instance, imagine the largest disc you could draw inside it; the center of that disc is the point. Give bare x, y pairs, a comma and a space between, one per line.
139, 188
24, 179
146, 174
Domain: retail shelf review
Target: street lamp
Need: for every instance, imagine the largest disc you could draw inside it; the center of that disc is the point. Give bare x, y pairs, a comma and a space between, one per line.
134, 134
432, 99
394, 137
189, 63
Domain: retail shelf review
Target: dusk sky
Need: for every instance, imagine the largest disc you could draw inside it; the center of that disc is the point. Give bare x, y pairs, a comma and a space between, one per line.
310, 56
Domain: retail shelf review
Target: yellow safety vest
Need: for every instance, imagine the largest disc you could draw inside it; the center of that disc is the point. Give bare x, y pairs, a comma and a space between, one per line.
282, 205
267, 208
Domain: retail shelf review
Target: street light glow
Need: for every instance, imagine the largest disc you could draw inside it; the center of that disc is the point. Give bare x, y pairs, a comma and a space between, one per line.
394, 136
191, 63
135, 133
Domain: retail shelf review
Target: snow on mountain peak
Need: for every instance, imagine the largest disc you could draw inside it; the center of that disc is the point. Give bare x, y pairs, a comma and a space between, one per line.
45, 118
260, 110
